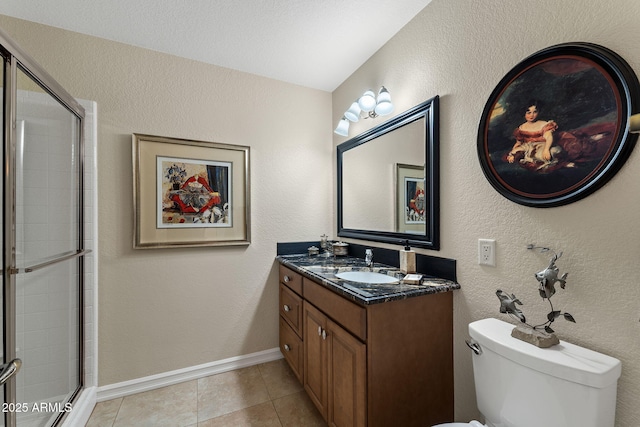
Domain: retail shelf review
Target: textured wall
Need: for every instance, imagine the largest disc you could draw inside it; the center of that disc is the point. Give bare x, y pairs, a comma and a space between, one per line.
460, 49
164, 309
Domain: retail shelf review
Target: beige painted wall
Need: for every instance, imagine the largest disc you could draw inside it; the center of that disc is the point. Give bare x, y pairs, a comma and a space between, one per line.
460, 49
163, 309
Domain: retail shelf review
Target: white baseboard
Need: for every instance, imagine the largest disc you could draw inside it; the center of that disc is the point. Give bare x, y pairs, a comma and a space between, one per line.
126, 388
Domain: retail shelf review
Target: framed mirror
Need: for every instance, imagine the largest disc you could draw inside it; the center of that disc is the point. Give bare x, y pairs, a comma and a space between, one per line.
388, 180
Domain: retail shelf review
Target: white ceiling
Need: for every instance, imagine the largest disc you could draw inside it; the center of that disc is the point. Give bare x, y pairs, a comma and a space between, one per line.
313, 43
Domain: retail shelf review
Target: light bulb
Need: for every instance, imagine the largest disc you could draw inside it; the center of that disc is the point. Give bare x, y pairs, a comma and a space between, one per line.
383, 95
367, 101
343, 127
353, 113
384, 105
384, 108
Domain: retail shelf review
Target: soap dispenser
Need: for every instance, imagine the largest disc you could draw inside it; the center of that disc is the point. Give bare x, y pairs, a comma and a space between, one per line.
407, 259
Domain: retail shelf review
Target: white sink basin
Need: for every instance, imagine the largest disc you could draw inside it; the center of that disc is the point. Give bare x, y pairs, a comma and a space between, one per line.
366, 277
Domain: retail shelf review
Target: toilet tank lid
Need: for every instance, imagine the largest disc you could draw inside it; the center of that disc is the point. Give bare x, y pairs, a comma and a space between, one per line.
565, 360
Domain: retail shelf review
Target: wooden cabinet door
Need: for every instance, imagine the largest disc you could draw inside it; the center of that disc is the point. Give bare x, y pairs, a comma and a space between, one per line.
315, 357
347, 376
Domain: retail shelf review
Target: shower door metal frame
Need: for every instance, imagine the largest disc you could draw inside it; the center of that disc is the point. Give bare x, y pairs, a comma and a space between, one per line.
13, 58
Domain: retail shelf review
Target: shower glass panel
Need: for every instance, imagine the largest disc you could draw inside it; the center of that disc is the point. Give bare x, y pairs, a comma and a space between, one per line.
47, 240
2, 358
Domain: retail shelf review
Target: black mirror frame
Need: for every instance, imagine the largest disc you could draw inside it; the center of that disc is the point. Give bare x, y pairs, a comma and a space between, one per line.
431, 239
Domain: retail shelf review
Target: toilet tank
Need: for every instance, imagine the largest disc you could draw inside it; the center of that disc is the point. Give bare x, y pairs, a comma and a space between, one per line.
521, 385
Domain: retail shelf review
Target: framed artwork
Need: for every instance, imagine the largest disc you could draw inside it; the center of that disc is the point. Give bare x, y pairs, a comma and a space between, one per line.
189, 193
410, 198
555, 129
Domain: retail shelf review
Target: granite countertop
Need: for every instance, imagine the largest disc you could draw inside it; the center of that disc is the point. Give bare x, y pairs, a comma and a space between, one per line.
324, 269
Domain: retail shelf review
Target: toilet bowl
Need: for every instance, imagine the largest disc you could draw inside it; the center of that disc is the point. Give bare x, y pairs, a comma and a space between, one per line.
470, 424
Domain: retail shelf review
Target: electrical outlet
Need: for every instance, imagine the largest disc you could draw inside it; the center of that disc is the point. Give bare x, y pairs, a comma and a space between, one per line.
487, 252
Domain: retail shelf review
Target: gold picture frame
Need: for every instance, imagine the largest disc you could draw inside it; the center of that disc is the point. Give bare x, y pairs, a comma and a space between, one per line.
189, 193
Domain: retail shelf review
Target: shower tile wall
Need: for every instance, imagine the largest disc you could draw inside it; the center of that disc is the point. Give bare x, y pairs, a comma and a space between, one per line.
90, 233
44, 341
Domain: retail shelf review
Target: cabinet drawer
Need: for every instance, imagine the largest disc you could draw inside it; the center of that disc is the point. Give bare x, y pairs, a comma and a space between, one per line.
351, 316
292, 349
291, 308
292, 279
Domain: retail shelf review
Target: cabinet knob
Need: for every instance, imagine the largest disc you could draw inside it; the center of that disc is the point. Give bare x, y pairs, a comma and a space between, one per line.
287, 348
287, 279
324, 334
319, 331
286, 308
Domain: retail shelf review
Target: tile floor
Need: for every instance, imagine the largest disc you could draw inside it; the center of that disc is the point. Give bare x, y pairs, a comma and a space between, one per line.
266, 395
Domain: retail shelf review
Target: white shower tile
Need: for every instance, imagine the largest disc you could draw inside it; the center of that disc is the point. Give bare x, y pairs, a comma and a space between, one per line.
34, 232
35, 214
61, 179
61, 162
38, 356
58, 301
35, 339
61, 196
36, 198
34, 164
35, 321
38, 303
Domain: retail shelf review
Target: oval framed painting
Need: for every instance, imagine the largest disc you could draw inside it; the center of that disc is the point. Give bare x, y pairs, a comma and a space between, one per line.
555, 129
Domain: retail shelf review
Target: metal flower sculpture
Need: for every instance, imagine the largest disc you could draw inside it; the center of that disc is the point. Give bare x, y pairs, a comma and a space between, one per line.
547, 280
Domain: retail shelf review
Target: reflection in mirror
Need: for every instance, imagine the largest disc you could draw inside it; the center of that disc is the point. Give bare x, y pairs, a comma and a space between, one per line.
382, 191
369, 173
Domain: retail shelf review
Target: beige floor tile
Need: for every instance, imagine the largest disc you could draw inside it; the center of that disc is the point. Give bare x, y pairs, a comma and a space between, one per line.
104, 414
174, 405
297, 410
263, 415
267, 395
229, 392
279, 379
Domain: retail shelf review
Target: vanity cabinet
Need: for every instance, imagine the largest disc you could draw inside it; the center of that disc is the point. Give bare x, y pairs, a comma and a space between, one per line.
383, 364
334, 370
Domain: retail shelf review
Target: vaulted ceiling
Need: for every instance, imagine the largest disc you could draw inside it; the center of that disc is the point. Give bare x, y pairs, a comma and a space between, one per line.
316, 44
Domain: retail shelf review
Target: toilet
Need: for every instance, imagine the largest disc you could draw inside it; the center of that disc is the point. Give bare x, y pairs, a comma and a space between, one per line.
521, 385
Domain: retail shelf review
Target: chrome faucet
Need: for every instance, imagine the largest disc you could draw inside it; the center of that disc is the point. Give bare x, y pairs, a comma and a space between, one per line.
368, 257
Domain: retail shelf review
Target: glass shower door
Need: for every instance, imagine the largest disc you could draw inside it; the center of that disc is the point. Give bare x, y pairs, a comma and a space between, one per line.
42, 201
2, 102
47, 249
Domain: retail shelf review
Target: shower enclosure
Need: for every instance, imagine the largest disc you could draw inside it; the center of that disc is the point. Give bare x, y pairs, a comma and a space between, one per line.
43, 259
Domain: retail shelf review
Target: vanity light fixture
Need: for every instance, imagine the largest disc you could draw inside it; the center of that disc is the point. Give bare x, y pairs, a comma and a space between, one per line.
365, 107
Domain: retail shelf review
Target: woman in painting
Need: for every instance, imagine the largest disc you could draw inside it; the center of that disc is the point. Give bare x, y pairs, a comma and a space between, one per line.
534, 140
